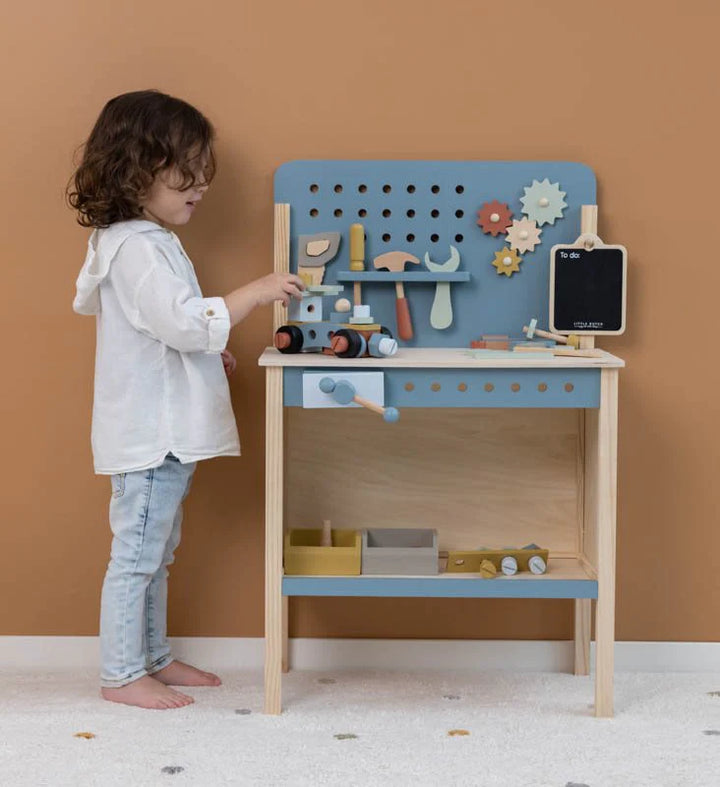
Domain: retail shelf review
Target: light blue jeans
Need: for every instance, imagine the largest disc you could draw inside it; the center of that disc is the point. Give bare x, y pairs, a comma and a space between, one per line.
145, 519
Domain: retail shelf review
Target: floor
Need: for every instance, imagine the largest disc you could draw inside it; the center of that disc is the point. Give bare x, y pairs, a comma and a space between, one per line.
368, 728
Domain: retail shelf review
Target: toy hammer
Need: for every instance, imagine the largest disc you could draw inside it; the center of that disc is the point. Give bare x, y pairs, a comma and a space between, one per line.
532, 330
395, 261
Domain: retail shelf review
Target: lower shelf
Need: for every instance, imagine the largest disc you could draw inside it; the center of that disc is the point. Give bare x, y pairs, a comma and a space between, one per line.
565, 578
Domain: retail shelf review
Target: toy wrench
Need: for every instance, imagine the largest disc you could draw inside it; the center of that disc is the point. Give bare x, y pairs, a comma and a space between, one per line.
441, 315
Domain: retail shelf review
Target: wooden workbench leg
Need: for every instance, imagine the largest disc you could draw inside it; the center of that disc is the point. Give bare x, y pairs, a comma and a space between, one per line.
285, 648
282, 265
273, 539
583, 610
606, 510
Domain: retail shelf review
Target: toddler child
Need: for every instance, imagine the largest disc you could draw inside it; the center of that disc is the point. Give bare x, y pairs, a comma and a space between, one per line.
161, 398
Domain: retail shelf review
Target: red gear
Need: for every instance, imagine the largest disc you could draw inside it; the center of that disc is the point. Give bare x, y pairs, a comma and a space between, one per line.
499, 209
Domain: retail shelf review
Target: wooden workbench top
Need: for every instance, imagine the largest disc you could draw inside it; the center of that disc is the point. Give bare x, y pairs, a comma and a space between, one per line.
442, 358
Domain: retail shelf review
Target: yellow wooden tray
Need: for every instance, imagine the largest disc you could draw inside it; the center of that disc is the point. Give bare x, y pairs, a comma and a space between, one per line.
304, 555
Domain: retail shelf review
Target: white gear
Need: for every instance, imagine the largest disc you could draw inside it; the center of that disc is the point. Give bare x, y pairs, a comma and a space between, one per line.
523, 235
543, 202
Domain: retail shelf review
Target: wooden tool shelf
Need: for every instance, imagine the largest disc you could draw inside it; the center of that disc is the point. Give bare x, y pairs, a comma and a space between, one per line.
408, 276
565, 578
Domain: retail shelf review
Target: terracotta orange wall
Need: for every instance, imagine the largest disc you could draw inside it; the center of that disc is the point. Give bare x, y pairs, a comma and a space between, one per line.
629, 92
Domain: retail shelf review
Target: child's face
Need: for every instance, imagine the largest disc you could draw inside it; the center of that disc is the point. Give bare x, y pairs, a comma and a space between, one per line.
166, 204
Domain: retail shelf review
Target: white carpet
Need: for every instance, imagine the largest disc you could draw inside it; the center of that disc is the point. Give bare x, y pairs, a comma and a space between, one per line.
525, 729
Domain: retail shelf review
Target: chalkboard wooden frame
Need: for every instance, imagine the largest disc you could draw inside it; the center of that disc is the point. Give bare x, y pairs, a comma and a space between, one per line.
597, 300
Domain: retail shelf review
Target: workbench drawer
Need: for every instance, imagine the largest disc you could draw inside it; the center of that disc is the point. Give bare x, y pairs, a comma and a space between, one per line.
369, 385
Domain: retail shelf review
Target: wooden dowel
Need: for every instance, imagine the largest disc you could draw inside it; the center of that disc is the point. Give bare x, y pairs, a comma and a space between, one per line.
376, 408
588, 219
326, 540
588, 225
562, 351
281, 255
357, 258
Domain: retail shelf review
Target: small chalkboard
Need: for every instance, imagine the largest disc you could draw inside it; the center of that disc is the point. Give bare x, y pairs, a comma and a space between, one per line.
587, 287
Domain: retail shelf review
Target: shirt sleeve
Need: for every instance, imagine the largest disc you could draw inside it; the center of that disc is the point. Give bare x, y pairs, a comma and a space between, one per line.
161, 304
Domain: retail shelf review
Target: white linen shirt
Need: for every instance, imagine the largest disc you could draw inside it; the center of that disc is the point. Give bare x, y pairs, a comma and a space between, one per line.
160, 385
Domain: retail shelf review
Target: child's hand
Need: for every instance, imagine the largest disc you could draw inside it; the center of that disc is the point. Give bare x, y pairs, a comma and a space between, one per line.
273, 287
278, 287
229, 362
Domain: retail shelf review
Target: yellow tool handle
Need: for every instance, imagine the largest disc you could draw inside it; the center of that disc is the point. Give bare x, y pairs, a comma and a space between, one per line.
357, 247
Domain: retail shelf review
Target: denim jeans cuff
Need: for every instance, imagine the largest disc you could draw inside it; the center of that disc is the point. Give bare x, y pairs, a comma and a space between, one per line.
117, 683
159, 664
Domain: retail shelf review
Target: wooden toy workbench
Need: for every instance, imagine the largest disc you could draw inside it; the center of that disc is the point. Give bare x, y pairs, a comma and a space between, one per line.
490, 449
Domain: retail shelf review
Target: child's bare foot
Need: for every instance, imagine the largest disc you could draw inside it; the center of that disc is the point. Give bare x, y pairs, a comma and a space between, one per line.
146, 692
178, 673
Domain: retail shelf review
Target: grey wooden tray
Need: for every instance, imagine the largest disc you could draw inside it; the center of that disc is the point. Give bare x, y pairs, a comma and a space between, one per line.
399, 551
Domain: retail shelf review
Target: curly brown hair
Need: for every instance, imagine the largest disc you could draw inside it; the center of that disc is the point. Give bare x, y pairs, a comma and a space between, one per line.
137, 135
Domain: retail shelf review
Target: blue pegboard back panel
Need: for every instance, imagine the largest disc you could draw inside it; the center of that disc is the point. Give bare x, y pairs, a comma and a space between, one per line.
426, 206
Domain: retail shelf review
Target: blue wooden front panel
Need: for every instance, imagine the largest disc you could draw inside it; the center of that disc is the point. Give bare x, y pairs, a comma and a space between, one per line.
443, 205
480, 387
422, 587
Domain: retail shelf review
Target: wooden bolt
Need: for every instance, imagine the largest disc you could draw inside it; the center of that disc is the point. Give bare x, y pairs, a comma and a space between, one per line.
339, 344
487, 569
281, 340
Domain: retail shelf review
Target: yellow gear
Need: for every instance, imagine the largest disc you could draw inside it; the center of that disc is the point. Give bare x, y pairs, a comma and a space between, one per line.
507, 261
